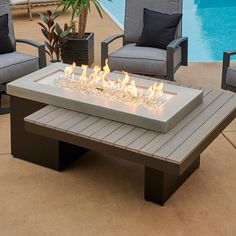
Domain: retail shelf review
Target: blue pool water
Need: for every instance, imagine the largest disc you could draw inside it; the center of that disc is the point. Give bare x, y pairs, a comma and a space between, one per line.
209, 24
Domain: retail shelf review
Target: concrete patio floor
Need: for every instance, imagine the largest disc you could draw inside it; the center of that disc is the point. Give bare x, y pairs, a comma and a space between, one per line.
100, 195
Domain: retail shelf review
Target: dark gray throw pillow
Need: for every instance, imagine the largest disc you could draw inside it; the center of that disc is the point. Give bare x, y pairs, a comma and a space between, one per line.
159, 29
5, 42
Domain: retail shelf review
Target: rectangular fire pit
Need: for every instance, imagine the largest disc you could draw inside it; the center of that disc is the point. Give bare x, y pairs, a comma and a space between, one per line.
175, 102
53, 137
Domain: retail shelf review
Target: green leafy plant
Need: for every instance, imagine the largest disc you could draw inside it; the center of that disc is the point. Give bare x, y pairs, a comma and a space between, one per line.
79, 8
55, 35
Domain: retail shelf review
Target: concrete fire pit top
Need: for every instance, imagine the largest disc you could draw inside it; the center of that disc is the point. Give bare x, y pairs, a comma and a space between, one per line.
39, 86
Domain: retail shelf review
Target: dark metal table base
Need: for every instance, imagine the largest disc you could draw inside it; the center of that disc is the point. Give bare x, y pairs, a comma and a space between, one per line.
159, 185
43, 151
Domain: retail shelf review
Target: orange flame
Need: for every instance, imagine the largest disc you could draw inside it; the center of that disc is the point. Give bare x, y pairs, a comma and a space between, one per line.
126, 86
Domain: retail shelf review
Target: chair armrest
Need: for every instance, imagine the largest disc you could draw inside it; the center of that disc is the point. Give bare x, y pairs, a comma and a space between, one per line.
226, 64
177, 42
112, 38
183, 43
41, 50
226, 57
180, 42
230, 53
104, 47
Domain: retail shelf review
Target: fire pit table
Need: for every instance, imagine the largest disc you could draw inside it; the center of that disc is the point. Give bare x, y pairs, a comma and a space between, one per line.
57, 116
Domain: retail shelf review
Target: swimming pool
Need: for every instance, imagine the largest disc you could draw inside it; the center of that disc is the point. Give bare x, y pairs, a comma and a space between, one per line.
209, 24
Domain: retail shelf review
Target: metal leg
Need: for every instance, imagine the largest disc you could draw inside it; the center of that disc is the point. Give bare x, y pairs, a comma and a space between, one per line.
30, 11
159, 186
34, 148
3, 110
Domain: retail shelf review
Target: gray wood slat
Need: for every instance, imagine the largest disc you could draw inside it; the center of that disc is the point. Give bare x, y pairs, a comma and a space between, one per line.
140, 142
94, 128
31, 118
72, 121
50, 116
190, 128
162, 139
117, 134
196, 138
130, 137
76, 129
61, 118
108, 129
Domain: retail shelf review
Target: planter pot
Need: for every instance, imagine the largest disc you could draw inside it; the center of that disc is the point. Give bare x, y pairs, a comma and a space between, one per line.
80, 51
55, 61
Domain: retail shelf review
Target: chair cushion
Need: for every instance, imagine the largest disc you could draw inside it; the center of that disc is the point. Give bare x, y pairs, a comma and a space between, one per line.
158, 29
231, 76
5, 9
133, 25
5, 42
141, 60
15, 65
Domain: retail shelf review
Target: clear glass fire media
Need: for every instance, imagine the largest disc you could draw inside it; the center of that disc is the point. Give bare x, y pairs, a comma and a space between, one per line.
123, 90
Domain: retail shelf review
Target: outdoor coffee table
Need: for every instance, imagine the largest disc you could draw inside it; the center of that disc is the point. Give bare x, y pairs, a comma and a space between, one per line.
45, 132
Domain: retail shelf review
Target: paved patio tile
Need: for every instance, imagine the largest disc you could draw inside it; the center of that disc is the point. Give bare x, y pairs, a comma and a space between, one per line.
103, 196
231, 137
232, 126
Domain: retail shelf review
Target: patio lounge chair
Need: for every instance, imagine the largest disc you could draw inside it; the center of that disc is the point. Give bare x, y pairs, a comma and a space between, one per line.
228, 72
147, 60
29, 4
15, 65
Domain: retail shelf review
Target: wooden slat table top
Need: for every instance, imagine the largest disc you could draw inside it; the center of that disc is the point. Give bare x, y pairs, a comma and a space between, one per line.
175, 146
160, 141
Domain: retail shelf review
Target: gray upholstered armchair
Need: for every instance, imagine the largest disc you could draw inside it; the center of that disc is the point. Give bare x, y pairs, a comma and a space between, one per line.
16, 64
228, 72
147, 60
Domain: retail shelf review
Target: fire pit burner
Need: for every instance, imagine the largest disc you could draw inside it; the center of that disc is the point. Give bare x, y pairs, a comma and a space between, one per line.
124, 90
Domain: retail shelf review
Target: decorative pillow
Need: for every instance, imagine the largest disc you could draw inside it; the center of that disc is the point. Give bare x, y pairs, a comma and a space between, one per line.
158, 29
5, 42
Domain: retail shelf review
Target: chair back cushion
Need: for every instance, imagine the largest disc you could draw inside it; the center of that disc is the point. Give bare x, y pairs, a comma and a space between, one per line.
5, 42
5, 9
134, 10
159, 29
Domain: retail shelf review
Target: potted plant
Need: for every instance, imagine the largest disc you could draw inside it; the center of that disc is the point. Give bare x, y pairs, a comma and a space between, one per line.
79, 47
55, 36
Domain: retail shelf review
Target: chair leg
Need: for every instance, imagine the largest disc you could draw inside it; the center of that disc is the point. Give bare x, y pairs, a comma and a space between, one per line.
226, 64
30, 10
104, 53
170, 68
170, 76
3, 110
